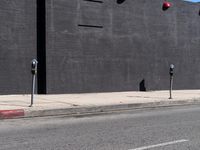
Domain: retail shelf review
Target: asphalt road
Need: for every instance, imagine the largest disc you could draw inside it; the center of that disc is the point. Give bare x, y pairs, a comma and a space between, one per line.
160, 129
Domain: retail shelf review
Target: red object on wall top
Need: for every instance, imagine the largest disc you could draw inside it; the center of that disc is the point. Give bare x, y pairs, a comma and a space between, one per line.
166, 5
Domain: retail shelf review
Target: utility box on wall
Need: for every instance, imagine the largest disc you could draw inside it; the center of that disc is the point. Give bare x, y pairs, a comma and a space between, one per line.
17, 45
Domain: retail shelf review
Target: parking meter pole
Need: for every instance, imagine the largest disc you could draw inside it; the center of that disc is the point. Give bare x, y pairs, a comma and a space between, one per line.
34, 73
33, 89
171, 73
171, 85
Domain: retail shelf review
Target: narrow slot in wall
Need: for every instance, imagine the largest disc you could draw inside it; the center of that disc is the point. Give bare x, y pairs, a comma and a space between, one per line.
41, 46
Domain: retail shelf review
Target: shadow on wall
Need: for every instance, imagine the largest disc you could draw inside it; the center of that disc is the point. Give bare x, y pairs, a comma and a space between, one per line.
120, 1
142, 85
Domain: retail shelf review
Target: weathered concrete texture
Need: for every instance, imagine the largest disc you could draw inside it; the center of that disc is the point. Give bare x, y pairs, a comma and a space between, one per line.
17, 45
15, 106
125, 44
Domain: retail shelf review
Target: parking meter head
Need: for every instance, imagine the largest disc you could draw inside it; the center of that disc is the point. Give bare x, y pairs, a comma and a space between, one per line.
34, 66
172, 66
171, 69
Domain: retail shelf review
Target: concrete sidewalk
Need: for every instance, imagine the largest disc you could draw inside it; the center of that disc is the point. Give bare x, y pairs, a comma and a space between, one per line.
12, 106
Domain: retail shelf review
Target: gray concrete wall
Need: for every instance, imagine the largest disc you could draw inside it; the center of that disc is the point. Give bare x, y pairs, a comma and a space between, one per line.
99, 46
106, 46
17, 45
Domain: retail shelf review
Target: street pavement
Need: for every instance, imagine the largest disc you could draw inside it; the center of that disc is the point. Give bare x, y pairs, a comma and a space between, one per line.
174, 128
12, 106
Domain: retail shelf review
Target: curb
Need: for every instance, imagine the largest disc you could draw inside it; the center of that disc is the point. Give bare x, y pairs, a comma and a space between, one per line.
9, 114
107, 108
84, 111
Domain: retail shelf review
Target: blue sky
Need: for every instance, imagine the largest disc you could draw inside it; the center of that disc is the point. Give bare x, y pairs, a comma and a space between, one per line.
194, 1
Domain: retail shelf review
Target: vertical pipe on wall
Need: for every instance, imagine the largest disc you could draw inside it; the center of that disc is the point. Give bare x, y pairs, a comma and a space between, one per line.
41, 45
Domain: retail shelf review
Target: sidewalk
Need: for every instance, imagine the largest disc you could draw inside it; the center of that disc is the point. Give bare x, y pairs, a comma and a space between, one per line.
12, 106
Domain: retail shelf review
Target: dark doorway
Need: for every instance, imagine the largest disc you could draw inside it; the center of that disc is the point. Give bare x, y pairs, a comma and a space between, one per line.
41, 45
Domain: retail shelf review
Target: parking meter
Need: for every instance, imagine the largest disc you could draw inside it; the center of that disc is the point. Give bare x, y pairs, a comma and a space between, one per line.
171, 73
34, 63
171, 70
34, 66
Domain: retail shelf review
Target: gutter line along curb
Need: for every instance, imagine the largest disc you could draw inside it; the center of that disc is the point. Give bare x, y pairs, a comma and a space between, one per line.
107, 108
28, 113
